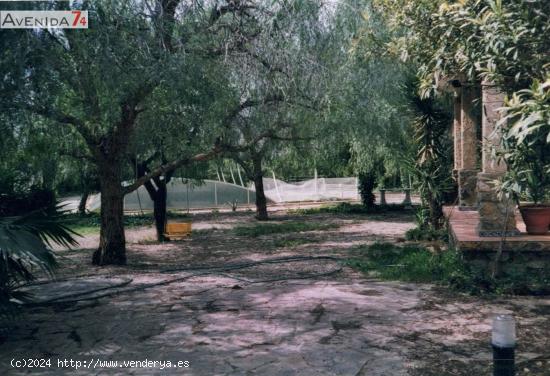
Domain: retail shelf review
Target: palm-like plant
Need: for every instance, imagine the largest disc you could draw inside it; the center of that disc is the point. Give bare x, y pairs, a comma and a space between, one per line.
432, 165
25, 243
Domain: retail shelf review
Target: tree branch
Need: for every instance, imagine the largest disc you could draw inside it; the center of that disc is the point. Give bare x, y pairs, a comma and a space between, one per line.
62, 118
201, 157
165, 168
74, 154
233, 6
252, 103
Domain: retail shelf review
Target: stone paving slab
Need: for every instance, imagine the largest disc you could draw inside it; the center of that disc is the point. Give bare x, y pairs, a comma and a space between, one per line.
342, 324
322, 327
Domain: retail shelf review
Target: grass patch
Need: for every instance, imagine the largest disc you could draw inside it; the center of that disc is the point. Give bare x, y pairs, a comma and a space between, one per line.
413, 263
84, 230
341, 208
207, 231
290, 243
408, 263
90, 223
279, 228
427, 234
347, 208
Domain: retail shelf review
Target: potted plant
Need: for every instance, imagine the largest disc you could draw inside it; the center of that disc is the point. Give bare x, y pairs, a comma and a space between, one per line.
526, 151
526, 187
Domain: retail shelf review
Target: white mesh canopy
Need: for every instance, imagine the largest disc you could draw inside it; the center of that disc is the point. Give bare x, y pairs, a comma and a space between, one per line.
311, 190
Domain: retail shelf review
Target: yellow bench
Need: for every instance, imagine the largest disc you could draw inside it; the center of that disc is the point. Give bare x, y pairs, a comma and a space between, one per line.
174, 231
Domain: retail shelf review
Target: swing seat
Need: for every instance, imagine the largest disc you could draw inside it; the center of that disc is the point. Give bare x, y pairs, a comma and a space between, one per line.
176, 231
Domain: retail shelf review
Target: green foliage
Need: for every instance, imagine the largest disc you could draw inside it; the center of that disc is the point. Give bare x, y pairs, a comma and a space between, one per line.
294, 242
409, 263
23, 202
502, 41
361, 124
279, 228
28, 148
424, 231
526, 144
432, 166
528, 113
367, 182
413, 263
346, 208
426, 234
25, 243
341, 208
368, 162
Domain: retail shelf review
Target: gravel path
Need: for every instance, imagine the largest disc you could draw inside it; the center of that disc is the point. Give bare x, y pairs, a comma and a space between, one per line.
233, 323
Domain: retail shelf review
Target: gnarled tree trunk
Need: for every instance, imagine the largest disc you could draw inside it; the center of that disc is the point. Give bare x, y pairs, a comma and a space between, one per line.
158, 193
83, 200
258, 178
435, 208
367, 182
159, 209
112, 243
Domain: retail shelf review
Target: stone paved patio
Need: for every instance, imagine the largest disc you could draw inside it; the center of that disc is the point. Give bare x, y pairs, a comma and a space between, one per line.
342, 324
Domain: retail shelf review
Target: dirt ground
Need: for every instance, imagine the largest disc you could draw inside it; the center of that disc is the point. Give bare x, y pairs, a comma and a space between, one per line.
298, 317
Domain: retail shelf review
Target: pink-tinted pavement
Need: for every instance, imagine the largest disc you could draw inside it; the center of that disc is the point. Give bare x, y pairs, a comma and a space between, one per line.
231, 323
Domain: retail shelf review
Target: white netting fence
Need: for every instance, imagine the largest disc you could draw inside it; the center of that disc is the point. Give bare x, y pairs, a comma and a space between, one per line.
321, 189
181, 195
217, 194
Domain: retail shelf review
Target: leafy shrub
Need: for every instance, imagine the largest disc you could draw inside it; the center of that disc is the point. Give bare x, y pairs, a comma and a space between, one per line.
26, 202
295, 242
347, 208
525, 146
25, 248
424, 230
331, 209
409, 263
367, 183
427, 234
417, 264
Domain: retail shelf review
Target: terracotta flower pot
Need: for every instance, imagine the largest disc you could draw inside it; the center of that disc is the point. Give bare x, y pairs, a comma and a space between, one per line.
536, 218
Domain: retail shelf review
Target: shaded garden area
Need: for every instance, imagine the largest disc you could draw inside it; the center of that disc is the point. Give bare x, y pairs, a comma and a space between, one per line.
277, 317
287, 187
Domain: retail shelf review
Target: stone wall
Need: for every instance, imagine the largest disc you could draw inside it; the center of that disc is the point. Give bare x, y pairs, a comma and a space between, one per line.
512, 262
495, 215
467, 191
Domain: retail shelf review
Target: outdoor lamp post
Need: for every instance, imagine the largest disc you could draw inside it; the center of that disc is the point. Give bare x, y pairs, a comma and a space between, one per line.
504, 343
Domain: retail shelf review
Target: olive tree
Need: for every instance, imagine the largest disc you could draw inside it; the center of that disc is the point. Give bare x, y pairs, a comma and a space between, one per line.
99, 82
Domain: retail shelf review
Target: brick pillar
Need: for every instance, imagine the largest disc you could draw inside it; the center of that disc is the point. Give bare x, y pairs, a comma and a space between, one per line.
496, 217
467, 173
